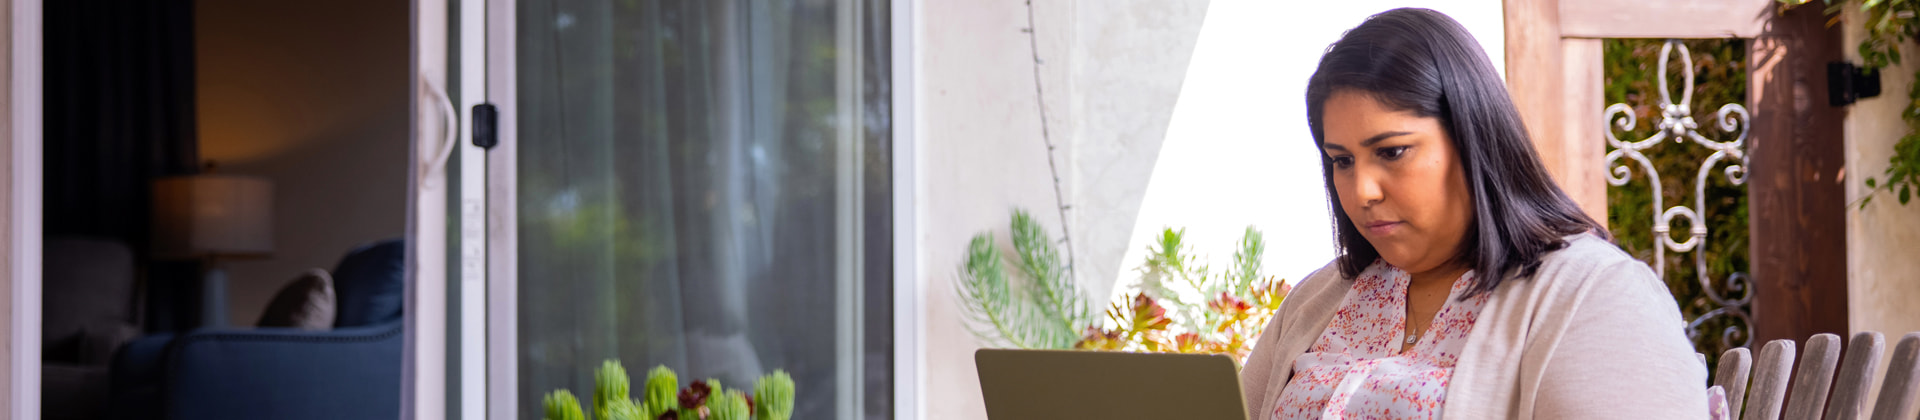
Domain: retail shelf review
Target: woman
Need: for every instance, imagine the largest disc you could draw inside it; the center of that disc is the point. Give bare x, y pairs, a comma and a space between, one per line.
1468, 285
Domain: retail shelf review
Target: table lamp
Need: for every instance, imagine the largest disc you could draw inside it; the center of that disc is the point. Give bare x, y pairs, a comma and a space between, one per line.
212, 218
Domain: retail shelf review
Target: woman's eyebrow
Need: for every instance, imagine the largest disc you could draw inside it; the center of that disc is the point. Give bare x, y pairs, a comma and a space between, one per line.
1382, 136
1369, 142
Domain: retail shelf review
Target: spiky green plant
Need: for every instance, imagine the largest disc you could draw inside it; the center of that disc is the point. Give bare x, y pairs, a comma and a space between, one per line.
610, 384
662, 384
1054, 292
773, 396
561, 405
729, 406
626, 409
1046, 310
1246, 262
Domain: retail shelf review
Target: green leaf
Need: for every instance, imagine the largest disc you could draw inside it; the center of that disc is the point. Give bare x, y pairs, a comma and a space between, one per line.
1870, 182
1903, 195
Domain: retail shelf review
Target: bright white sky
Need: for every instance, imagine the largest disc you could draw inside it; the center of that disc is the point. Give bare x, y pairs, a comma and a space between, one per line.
1237, 151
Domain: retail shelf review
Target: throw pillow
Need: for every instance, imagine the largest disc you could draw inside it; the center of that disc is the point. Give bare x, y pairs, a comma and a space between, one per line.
307, 303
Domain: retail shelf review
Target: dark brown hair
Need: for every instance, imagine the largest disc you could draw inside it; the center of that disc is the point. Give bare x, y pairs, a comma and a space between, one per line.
1421, 61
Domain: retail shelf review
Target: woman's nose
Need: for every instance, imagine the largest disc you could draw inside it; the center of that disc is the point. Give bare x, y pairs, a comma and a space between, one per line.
1366, 186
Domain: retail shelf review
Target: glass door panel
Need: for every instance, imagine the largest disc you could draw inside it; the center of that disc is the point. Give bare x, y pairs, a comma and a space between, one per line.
703, 184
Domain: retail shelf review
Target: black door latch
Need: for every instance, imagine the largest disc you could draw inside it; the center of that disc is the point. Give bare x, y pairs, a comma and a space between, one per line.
1847, 83
486, 121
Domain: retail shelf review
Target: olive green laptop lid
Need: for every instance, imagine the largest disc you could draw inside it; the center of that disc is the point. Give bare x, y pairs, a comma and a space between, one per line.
1049, 384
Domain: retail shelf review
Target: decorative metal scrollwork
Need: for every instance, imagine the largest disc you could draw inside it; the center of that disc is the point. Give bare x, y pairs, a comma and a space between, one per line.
1676, 123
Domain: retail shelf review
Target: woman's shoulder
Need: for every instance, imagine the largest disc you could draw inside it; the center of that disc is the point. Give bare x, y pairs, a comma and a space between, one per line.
1321, 290
1586, 251
1588, 262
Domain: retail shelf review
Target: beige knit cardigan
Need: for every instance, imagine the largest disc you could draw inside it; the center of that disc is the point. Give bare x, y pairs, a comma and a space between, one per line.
1595, 334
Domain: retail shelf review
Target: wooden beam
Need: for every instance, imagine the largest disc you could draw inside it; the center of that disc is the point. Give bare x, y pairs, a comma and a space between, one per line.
1798, 206
1665, 18
1534, 75
1583, 148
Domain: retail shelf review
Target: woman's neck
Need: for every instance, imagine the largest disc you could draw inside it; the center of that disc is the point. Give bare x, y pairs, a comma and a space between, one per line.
1443, 274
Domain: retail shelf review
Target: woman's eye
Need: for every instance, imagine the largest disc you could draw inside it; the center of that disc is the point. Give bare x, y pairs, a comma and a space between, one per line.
1391, 153
1342, 162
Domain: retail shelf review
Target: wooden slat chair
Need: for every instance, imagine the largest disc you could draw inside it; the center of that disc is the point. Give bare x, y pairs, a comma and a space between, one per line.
1897, 393
1765, 398
1856, 376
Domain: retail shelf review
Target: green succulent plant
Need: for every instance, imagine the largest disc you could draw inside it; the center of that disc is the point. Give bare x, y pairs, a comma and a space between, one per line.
626, 409
561, 405
662, 385
610, 384
731, 406
773, 397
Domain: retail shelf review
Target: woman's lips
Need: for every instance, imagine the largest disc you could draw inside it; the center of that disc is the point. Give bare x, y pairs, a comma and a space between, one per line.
1382, 228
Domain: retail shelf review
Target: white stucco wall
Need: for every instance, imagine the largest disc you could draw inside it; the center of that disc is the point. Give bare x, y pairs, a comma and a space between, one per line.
979, 155
1155, 121
1883, 277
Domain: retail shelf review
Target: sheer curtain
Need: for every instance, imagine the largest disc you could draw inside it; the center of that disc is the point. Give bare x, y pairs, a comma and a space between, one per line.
694, 191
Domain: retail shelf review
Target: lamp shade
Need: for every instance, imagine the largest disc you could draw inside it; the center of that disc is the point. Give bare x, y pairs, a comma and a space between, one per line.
203, 216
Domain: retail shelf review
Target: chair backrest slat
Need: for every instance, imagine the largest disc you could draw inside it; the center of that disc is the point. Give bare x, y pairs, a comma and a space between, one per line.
1897, 392
1735, 366
1770, 374
1814, 377
1856, 376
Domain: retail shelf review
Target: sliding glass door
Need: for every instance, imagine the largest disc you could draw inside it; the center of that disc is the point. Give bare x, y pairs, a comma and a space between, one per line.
699, 184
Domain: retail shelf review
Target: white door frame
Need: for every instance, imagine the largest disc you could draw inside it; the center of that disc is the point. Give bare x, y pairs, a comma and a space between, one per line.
909, 324
427, 388
22, 231
500, 371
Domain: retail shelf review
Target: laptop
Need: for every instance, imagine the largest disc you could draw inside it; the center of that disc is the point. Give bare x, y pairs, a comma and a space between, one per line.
1058, 384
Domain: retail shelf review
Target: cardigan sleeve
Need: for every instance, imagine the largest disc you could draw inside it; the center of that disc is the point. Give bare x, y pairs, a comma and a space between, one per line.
1259, 368
1621, 352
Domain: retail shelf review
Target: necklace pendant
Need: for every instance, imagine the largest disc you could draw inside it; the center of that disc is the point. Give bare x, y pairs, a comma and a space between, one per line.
1411, 338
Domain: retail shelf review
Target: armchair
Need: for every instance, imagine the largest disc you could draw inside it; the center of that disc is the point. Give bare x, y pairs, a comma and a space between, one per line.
352, 371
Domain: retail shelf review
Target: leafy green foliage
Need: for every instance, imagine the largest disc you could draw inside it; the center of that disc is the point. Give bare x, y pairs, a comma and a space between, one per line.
773, 397
561, 405
1631, 69
1213, 316
1046, 310
1054, 292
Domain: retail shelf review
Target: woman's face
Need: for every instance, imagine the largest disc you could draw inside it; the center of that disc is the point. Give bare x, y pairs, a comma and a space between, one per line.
1399, 180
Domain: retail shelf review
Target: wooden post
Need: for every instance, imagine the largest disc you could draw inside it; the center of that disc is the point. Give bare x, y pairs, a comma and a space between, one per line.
1583, 149
1534, 75
1794, 189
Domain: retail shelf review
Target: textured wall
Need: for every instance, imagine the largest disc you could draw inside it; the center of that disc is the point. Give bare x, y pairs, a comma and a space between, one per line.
1883, 277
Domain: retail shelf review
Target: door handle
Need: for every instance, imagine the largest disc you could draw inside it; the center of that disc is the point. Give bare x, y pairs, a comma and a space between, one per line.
448, 132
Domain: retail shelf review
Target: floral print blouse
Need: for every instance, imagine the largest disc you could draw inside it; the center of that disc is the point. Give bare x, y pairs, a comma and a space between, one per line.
1356, 369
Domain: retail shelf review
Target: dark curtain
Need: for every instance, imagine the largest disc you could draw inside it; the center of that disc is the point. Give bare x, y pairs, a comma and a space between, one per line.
119, 103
